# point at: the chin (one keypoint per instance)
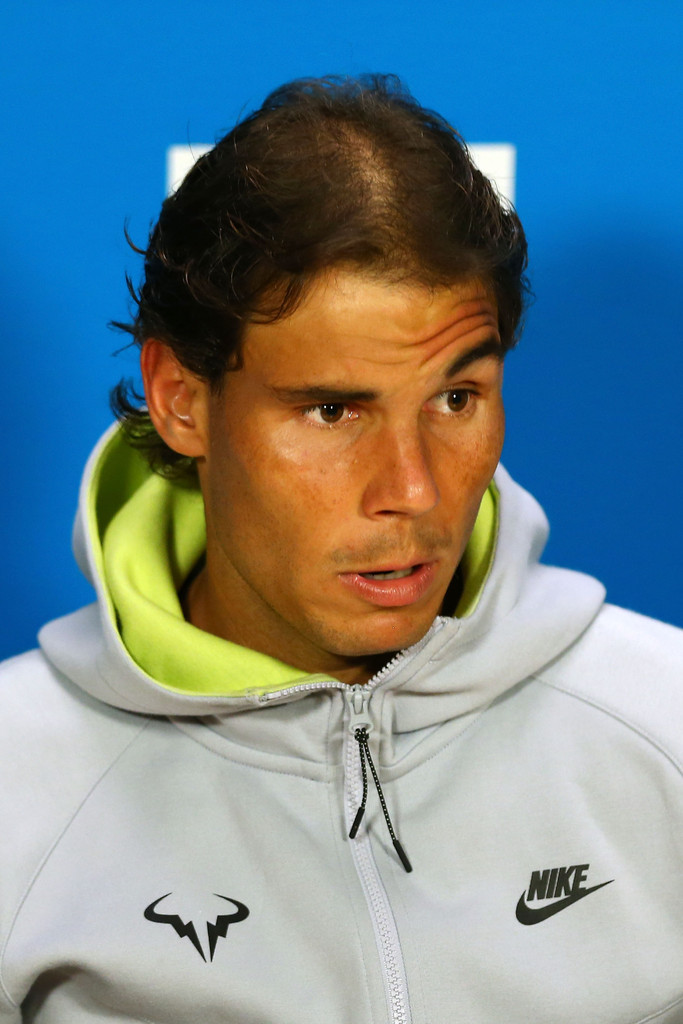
(387, 639)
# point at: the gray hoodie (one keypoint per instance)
(178, 851)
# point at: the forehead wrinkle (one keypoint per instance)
(478, 317)
(448, 355)
(395, 304)
(394, 333)
(469, 317)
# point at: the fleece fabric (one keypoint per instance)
(175, 839)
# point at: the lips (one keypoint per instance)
(391, 587)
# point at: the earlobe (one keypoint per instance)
(176, 399)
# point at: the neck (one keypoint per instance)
(202, 608)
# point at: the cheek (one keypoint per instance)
(478, 448)
(467, 467)
(316, 474)
(495, 439)
(274, 498)
(490, 441)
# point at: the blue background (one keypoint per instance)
(590, 94)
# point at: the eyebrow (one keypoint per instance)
(484, 350)
(321, 394)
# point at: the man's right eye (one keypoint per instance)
(328, 413)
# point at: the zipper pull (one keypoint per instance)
(358, 699)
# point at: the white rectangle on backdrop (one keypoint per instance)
(497, 160)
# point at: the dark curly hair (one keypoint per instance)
(328, 172)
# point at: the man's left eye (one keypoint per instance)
(457, 399)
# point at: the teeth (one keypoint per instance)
(397, 574)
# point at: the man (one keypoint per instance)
(332, 745)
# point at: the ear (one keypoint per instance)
(176, 399)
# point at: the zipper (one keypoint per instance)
(357, 698)
(325, 684)
(384, 925)
(379, 677)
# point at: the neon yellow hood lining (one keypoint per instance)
(148, 542)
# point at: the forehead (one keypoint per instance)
(347, 318)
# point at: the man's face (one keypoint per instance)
(343, 468)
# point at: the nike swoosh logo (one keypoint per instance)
(533, 915)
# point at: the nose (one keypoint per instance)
(400, 477)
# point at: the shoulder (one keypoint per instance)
(55, 740)
(43, 713)
(56, 743)
(630, 667)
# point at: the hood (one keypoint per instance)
(138, 536)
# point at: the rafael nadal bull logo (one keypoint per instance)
(187, 930)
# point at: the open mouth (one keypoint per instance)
(394, 574)
(392, 588)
